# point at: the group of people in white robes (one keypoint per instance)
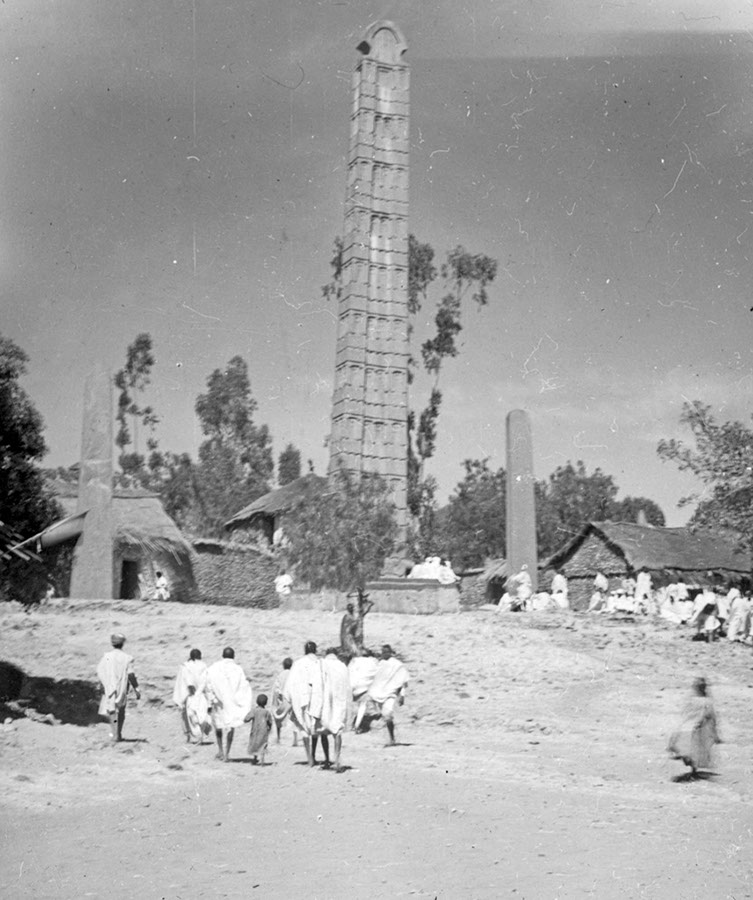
(434, 568)
(520, 596)
(712, 611)
(321, 695)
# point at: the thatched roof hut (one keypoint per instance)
(145, 541)
(265, 512)
(621, 549)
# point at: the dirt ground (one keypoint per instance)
(531, 764)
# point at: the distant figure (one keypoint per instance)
(189, 695)
(116, 675)
(723, 603)
(683, 603)
(521, 587)
(336, 706)
(598, 602)
(704, 616)
(559, 590)
(161, 587)
(446, 574)
(348, 628)
(304, 694)
(280, 708)
(49, 594)
(387, 689)
(738, 626)
(694, 739)
(261, 724)
(644, 600)
(283, 584)
(230, 698)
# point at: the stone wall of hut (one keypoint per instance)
(234, 575)
(473, 590)
(594, 555)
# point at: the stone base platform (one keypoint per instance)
(412, 596)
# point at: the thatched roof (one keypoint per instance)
(139, 519)
(213, 545)
(280, 500)
(656, 549)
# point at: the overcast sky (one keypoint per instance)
(179, 168)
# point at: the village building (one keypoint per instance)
(145, 541)
(620, 550)
(263, 519)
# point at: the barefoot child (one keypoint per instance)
(261, 724)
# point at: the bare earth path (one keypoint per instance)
(531, 765)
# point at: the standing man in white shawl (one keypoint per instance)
(190, 697)
(304, 694)
(115, 673)
(336, 705)
(388, 688)
(230, 697)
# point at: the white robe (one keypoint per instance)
(113, 671)
(361, 672)
(390, 679)
(336, 704)
(193, 674)
(304, 693)
(229, 693)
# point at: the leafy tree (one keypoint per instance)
(722, 460)
(288, 465)
(570, 498)
(235, 461)
(463, 275)
(473, 527)
(131, 380)
(629, 509)
(176, 478)
(26, 506)
(343, 539)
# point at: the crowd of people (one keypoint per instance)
(714, 612)
(321, 695)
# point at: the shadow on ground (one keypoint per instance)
(71, 702)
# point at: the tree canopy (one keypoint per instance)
(26, 506)
(288, 465)
(472, 527)
(473, 522)
(235, 461)
(722, 459)
(342, 540)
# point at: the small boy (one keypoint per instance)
(261, 724)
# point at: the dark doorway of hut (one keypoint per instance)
(129, 580)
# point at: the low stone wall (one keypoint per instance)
(234, 575)
(389, 595)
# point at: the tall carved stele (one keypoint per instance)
(521, 503)
(92, 575)
(370, 402)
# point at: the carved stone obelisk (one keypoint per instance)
(370, 401)
(521, 504)
(92, 575)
